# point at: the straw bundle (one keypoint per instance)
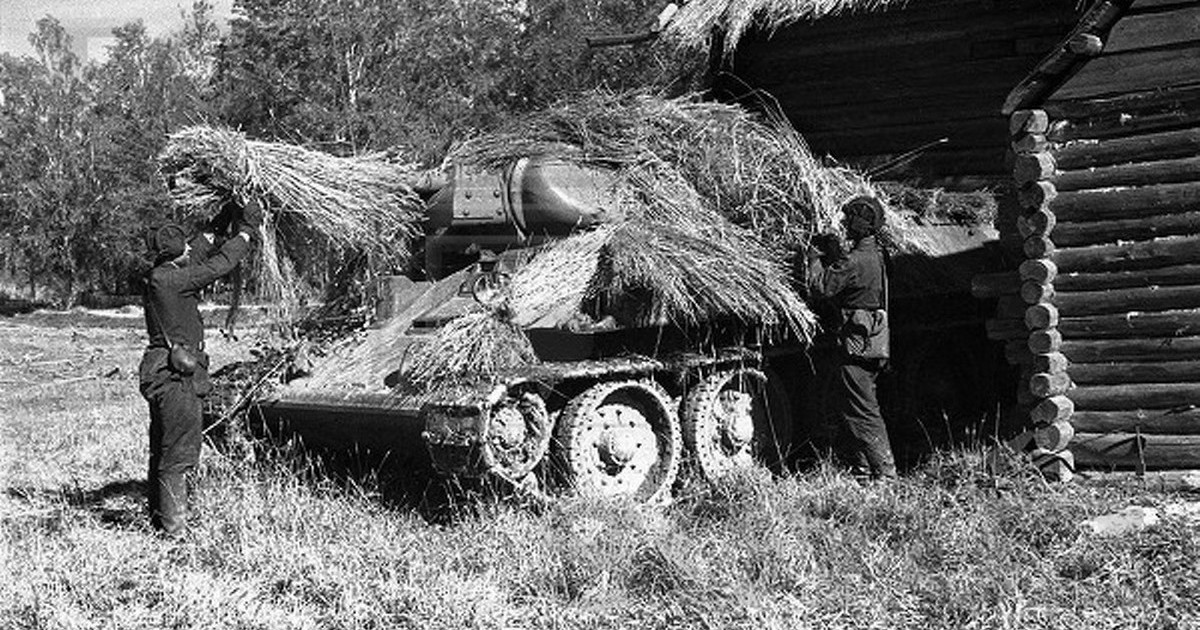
(757, 173)
(471, 349)
(692, 27)
(551, 288)
(361, 203)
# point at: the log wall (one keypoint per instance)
(866, 86)
(1110, 229)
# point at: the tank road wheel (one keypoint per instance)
(620, 439)
(518, 436)
(735, 419)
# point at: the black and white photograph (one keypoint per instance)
(600, 314)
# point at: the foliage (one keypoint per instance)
(361, 74)
(78, 183)
(77, 180)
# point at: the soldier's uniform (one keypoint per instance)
(856, 285)
(172, 310)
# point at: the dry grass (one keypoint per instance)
(712, 200)
(280, 547)
(757, 173)
(473, 348)
(361, 203)
(697, 20)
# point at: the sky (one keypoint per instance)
(90, 22)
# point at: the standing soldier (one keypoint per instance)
(173, 374)
(855, 284)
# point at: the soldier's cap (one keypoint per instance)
(864, 215)
(166, 242)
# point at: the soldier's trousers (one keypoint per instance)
(175, 437)
(863, 434)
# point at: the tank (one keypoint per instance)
(609, 411)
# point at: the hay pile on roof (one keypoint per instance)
(361, 203)
(696, 21)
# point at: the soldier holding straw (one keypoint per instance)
(173, 374)
(855, 282)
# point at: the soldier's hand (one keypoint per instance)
(252, 217)
(220, 223)
(828, 247)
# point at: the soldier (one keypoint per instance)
(855, 284)
(173, 374)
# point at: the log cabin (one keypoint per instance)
(1095, 157)
(866, 81)
(1105, 146)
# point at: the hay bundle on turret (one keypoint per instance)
(359, 203)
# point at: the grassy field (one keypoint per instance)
(279, 546)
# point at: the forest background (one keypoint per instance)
(78, 179)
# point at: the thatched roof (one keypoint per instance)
(696, 21)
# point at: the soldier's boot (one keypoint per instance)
(171, 512)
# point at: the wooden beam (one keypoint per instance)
(1126, 203)
(1085, 45)
(1045, 341)
(1156, 422)
(1037, 222)
(1034, 167)
(1036, 293)
(1161, 276)
(1051, 410)
(1163, 145)
(1136, 396)
(1154, 30)
(1123, 124)
(1036, 195)
(1137, 174)
(1128, 450)
(1139, 349)
(1054, 437)
(1041, 316)
(1163, 98)
(1075, 234)
(1028, 121)
(1121, 301)
(1132, 71)
(1167, 324)
(1052, 363)
(1039, 270)
(1122, 373)
(1046, 384)
(1060, 63)
(1160, 252)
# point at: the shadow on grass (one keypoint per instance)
(117, 504)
